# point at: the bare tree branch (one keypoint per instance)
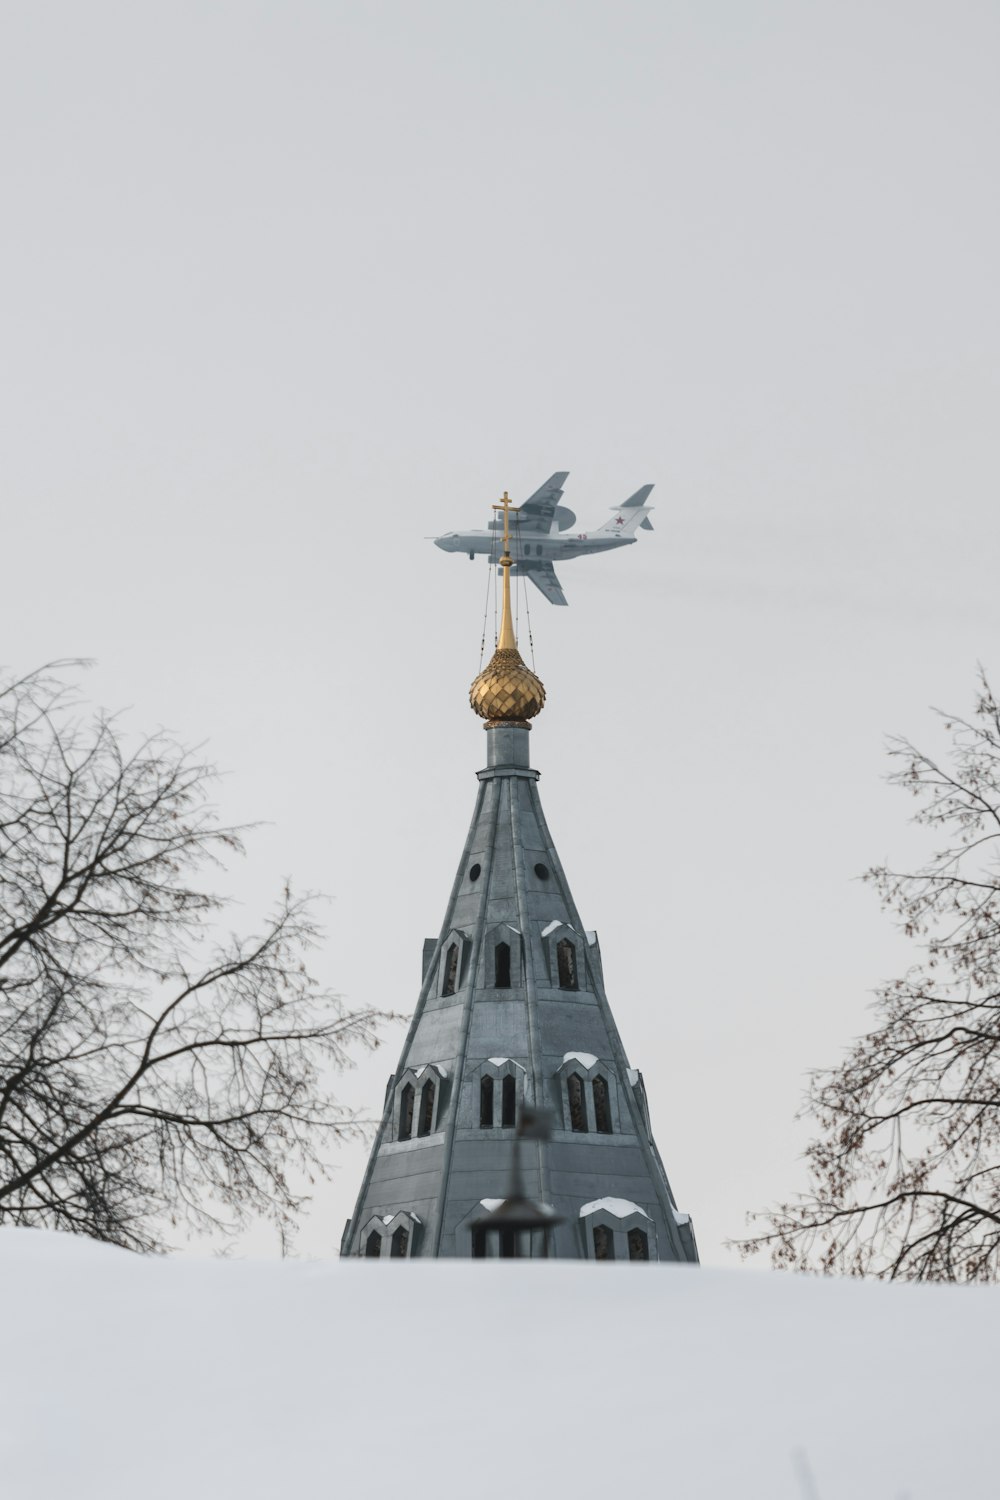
(144, 1082)
(904, 1176)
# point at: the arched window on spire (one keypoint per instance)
(406, 1098)
(589, 1095)
(577, 1102)
(604, 1242)
(426, 1119)
(602, 1105)
(638, 1244)
(617, 1229)
(390, 1235)
(421, 1094)
(502, 960)
(566, 962)
(500, 1082)
(450, 970)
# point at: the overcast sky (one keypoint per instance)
(288, 288)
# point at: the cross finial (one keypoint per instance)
(506, 507)
(507, 640)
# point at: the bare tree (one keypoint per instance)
(146, 1079)
(905, 1173)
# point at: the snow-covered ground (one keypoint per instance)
(160, 1379)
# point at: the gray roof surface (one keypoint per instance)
(451, 1161)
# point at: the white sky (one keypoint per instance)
(286, 288)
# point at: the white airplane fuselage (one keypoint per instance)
(549, 546)
(543, 534)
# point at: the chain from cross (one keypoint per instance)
(506, 507)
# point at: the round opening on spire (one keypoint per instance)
(475, 871)
(542, 872)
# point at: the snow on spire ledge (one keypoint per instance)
(621, 1208)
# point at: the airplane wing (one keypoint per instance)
(537, 511)
(543, 576)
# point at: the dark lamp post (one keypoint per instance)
(518, 1218)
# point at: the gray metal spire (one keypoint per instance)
(513, 1015)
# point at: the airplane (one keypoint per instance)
(540, 534)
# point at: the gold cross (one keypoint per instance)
(506, 507)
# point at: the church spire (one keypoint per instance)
(513, 1046)
(507, 692)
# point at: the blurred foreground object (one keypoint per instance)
(518, 1228)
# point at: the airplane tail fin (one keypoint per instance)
(631, 516)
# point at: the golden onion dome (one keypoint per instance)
(506, 692)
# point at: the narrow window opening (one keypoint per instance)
(501, 966)
(426, 1109)
(602, 1105)
(638, 1245)
(577, 1102)
(604, 1243)
(373, 1245)
(406, 1112)
(566, 960)
(479, 1244)
(450, 970)
(400, 1241)
(508, 1103)
(486, 1103)
(508, 1244)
